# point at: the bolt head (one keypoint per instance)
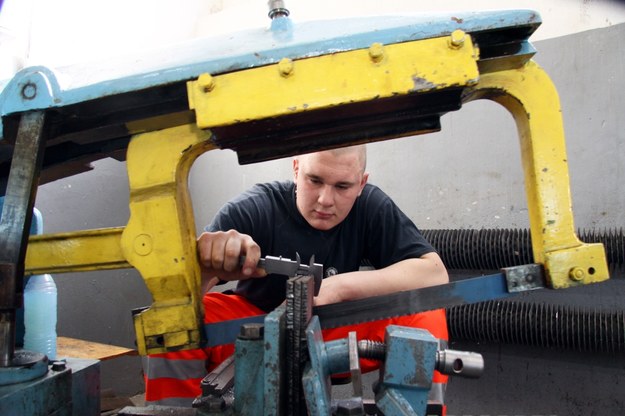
(252, 331)
(376, 52)
(456, 39)
(206, 82)
(285, 67)
(577, 274)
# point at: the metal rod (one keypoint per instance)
(15, 224)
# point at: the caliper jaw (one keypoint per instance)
(292, 268)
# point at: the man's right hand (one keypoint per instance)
(220, 252)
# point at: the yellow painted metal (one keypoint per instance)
(75, 251)
(159, 240)
(529, 94)
(290, 87)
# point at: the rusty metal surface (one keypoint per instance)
(15, 224)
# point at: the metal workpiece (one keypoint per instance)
(299, 302)
(460, 363)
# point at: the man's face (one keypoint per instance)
(327, 186)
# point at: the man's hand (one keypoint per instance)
(219, 254)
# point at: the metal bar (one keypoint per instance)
(402, 303)
(15, 224)
(76, 251)
(478, 289)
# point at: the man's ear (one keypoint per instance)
(295, 168)
(363, 182)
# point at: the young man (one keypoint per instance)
(329, 211)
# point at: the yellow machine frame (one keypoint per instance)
(159, 239)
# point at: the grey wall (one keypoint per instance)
(467, 176)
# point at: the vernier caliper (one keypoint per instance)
(291, 268)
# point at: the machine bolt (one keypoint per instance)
(58, 365)
(29, 91)
(376, 52)
(206, 82)
(277, 9)
(285, 67)
(456, 40)
(350, 407)
(252, 331)
(577, 274)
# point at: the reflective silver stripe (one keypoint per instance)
(172, 401)
(157, 367)
(437, 393)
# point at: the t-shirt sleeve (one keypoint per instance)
(391, 235)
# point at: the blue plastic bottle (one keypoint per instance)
(40, 300)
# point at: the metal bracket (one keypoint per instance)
(524, 278)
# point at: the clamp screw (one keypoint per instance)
(577, 274)
(376, 52)
(456, 40)
(206, 82)
(285, 67)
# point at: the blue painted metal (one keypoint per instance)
(25, 366)
(47, 395)
(316, 375)
(70, 388)
(225, 332)
(406, 377)
(85, 386)
(248, 376)
(41, 88)
(274, 384)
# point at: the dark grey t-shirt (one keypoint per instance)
(375, 230)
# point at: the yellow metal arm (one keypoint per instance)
(74, 252)
(159, 240)
(531, 97)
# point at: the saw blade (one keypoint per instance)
(398, 304)
(478, 289)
